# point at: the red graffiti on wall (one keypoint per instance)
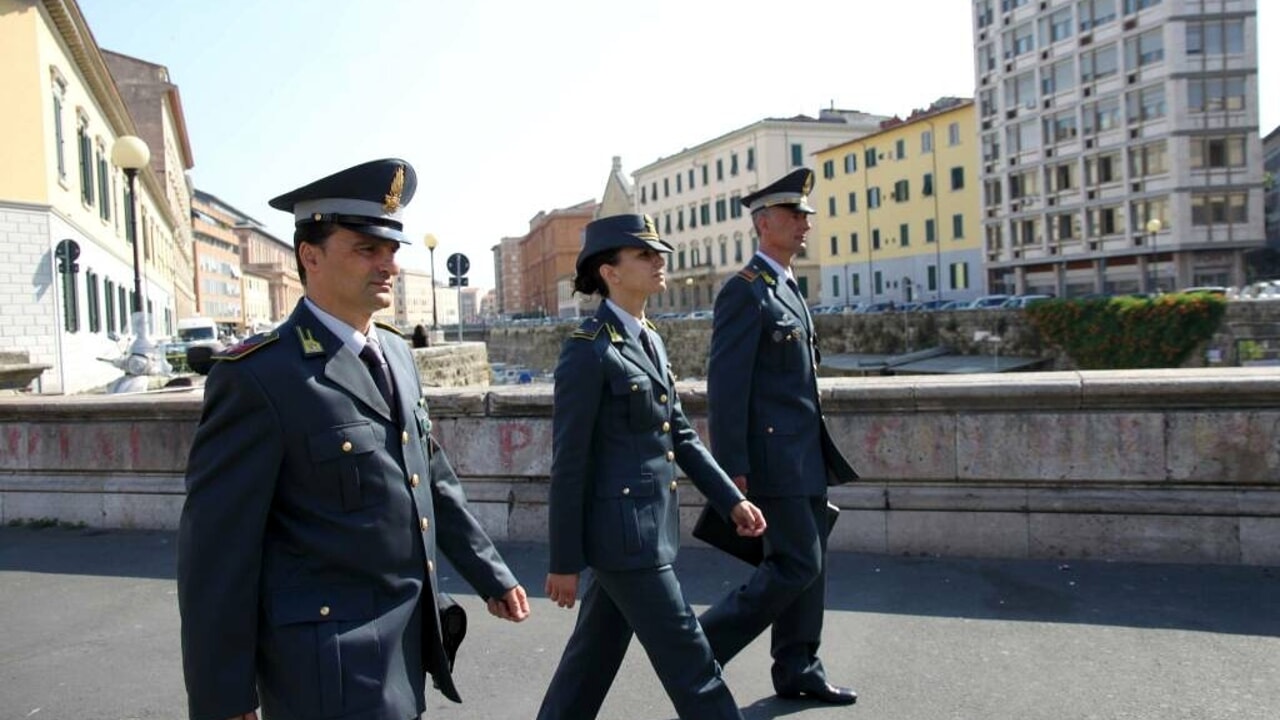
(512, 437)
(13, 436)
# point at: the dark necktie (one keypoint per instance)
(371, 354)
(795, 289)
(647, 343)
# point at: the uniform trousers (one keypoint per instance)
(649, 604)
(787, 590)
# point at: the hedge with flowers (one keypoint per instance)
(1129, 332)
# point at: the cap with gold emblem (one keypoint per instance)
(368, 198)
(791, 189)
(619, 231)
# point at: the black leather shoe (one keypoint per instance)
(826, 693)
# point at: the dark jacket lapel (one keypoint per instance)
(343, 368)
(631, 349)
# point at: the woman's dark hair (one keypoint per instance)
(313, 233)
(588, 280)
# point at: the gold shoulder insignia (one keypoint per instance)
(246, 346)
(614, 335)
(386, 326)
(748, 274)
(588, 330)
(310, 345)
(649, 324)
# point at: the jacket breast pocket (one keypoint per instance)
(326, 645)
(634, 395)
(782, 348)
(343, 457)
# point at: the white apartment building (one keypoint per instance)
(695, 197)
(1120, 145)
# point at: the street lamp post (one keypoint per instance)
(431, 242)
(1154, 226)
(131, 154)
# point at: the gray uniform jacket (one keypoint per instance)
(762, 390)
(307, 545)
(619, 432)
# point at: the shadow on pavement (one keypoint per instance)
(1209, 598)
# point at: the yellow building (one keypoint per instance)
(898, 214)
(65, 213)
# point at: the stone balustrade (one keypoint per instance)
(1163, 465)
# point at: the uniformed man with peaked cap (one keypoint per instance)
(316, 497)
(768, 433)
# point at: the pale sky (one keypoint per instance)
(509, 107)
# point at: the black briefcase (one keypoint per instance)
(723, 535)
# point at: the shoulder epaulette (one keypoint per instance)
(748, 274)
(246, 346)
(386, 326)
(588, 329)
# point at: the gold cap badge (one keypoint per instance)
(391, 202)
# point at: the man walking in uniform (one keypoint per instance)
(768, 434)
(316, 497)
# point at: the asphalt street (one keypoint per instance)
(89, 631)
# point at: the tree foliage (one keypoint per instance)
(1129, 332)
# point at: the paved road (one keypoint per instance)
(89, 631)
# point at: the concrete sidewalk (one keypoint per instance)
(89, 631)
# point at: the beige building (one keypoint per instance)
(412, 305)
(508, 286)
(267, 256)
(66, 240)
(257, 304)
(619, 196)
(1119, 143)
(897, 211)
(695, 197)
(156, 107)
(218, 277)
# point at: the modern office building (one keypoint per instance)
(1269, 265)
(695, 197)
(1119, 143)
(898, 216)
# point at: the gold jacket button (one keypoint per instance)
(666, 427)
(671, 455)
(413, 480)
(634, 387)
(425, 524)
(324, 611)
(346, 446)
(662, 398)
(404, 437)
(673, 486)
(626, 491)
(769, 430)
(431, 566)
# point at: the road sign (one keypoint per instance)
(458, 264)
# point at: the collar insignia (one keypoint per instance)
(310, 345)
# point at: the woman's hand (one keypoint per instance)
(749, 519)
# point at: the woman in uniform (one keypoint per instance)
(618, 434)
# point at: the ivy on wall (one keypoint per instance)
(1129, 332)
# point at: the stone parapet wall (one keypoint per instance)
(458, 365)
(1172, 465)
(688, 341)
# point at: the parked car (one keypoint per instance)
(988, 302)
(1019, 302)
(956, 305)
(878, 307)
(1218, 290)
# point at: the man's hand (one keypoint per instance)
(749, 519)
(741, 482)
(562, 589)
(513, 605)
